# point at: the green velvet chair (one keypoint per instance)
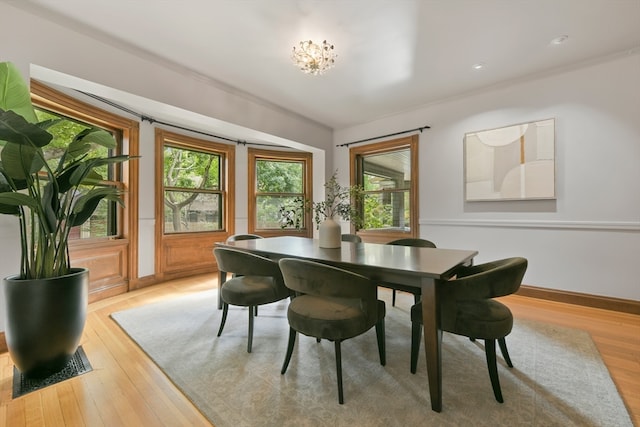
(235, 238)
(423, 243)
(257, 280)
(353, 238)
(333, 304)
(467, 308)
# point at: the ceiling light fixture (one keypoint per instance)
(478, 66)
(313, 58)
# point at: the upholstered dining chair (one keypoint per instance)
(423, 243)
(257, 281)
(353, 238)
(247, 236)
(333, 304)
(467, 308)
(235, 238)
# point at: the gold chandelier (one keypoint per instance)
(313, 58)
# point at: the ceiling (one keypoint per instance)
(393, 55)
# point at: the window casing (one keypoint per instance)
(388, 173)
(193, 185)
(274, 178)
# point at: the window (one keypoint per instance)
(104, 221)
(389, 175)
(73, 118)
(193, 184)
(108, 242)
(277, 178)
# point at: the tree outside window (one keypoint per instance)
(388, 173)
(276, 178)
(192, 190)
(104, 221)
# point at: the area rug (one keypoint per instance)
(558, 377)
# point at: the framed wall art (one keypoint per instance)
(515, 162)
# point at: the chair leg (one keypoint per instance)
(382, 350)
(393, 298)
(505, 354)
(490, 351)
(416, 332)
(287, 358)
(250, 340)
(225, 310)
(339, 371)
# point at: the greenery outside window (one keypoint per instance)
(193, 196)
(389, 175)
(104, 221)
(277, 178)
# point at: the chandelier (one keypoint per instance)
(313, 58)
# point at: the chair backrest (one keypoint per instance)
(423, 243)
(243, 263)
(313, 278)
(236, 237)
(351, 238)
(489, 280)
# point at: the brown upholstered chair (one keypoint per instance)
(423, 243)
(353, 238)
(331, 303)
(257, 280)
(467, 308)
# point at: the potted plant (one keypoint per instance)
(46, 301)
(339, 201)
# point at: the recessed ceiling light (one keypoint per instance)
(478, 66)
(560, 39)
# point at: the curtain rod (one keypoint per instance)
(346, 144)
(151, 120)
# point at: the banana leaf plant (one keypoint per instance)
(49, 200)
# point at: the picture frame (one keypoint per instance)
(515, 162)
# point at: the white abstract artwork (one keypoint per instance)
(515, 162)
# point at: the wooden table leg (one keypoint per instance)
(432, 340)
(222, 277)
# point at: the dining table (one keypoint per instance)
(423, 268)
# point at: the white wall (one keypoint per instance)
(588, 239)
(59, 55)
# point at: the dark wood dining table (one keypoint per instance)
(421, 268)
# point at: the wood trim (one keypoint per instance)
(172, 250)
(254, 154)
(576, 298)
(410, 142)
(3, 343)
(61, 103)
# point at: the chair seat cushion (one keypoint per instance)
(252, 290)
(330, 318)
(483, 319)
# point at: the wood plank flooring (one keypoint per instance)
(126, 388)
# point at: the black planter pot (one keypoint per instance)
(45, 320)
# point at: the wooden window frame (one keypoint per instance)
(113, 260)
(185, 254)
(254, 155)
(411, 143)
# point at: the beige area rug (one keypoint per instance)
(558, 378)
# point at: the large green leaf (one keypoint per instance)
(14, 128)
(87, 204)
(50, 206)
(14, 92)
(18, 199)
(15, 158)
(82, 142)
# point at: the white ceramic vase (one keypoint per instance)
(330, 234)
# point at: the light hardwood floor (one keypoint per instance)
(126, 388)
